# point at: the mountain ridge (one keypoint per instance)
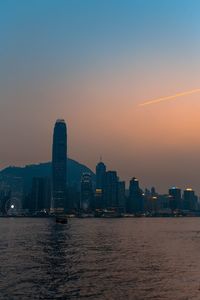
(43, 169)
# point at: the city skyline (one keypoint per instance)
(99, 149)
(92, 64)
(59, 168)
(47, 191)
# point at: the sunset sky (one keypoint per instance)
(93, 62)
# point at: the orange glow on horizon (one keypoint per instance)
(169, 97)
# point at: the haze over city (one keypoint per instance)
(93, 63)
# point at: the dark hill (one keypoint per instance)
(75, 171)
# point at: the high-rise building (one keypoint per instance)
(59, 167)
(73, 198)
(100, 185)
(121, 195)
(5, 196)
(175, 198)
(135, 203)
(189, 199)
(111, 190)
(40, 194)
(100, 175)
(87, 196)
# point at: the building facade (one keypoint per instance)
(111, 190)
(100, 185)
(136, 201)
(59, 167)
(87, 195)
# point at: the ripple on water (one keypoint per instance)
(100, 259)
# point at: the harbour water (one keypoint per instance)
(144, 258)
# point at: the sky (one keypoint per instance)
(93, 62)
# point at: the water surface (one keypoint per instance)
(100, 259)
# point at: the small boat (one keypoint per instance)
(62, 219)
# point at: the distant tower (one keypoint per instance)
(175, 200)
(111, 190)
(190, 199)
(86, 192)
(135, 196)
(59, 167)
(100, 184)
(121, 196)
(40, 194)
(100, 175)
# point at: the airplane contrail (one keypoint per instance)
(169, 97)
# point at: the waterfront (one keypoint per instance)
(144, 258)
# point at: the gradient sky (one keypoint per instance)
(92, 62)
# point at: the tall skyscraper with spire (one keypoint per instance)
(100, 185)
(100, 175)
(59, 167)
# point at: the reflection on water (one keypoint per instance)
(100, 259)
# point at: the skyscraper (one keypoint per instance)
(121, 196)
(135, 197)
(86, 203)
(190, 199)
(100, 185)
(40, 194)
(175, 200)
(59, 167)
(100, 175)
(111, 190)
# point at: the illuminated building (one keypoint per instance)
(175, 200)
(189, 199)
(99, 203)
